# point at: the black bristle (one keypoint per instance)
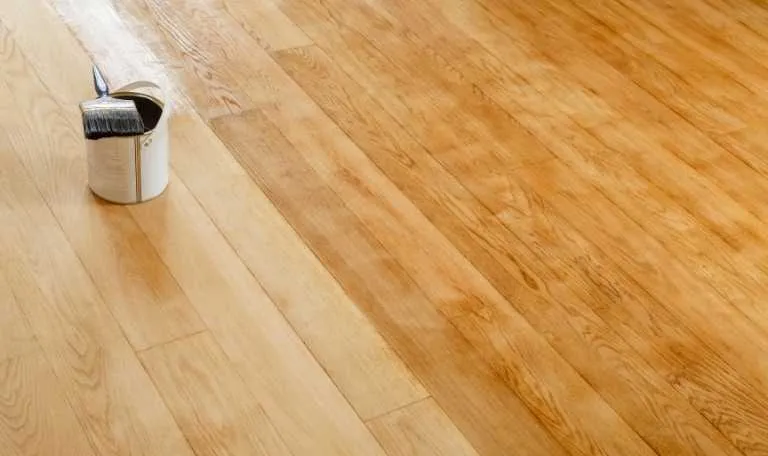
(106, 123)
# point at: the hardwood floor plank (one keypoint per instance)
(297, 390)
(202, 61)
(706, 155)
(713, 217)
(16, 337)
(489, 244)
(118, 44)
(721, 164)
(35, 418)
(470, 38)
(671, 131)
(665, 59)
(421, 428)
(748, 13)
(131, 43)
(460, 226)
(738, 362)
(741, 66)
(445, 110)
(444, 361)
(267, 24)
(580, 142)
(339, 335)
(703, 102)
(212, 405)
(748, 144)
(721, 21)
(595, 219)
(503, 338)
(296, 393)
(294, 390)
(25, 18)
(104, 383)
(146, 300)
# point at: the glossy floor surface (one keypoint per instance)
(394, 227)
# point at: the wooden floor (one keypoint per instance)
(394, 227)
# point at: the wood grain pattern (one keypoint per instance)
(267, 24)
(544, 180)
(148, 303)
(378, 282)
(491, 245)
(393, 227)
(102, 379)
(120, 46)
(452, 288)
(35, 418)
(421, 428)
(210, 402)
(366, 370)
(16, 337)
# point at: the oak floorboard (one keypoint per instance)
(16, 337)
(114, 41)
(366, 370)
(436, 227)
(504, 338)
(488, 243)
(383, 289)
(146, 300)
(421, 428)
(278, 312)
(103, 381)
(739, 228)
(706, 155)
(596, 220)
(267, 24)
(35, 418)
(209, 400)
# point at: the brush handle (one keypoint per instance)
(99, 83)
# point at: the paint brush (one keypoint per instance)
(107, 117)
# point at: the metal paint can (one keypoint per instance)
(133, 169)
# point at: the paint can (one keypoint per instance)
(133, 169)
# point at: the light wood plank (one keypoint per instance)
(267, 24)
(356, 357)
(212, 405)
(448, 370)
(103, 380)
(749, 144)
(421, 428)
(662, 219)
(369, 373)
(16, 337)
(295, 391)
(554, 213)
(726, 21)
(119, 46)
(73, 81)
(146, 300)
(35, 418)
(491, 175)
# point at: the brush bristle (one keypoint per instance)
(106, 122)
